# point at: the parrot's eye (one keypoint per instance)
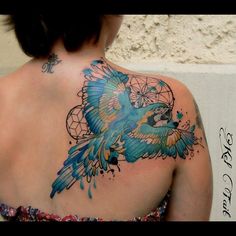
(157, 111)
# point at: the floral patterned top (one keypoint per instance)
(32, 214)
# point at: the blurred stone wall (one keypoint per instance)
(207, 39)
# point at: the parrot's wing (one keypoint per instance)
(104, 95)
(148, 142)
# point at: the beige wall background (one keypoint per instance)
(176, 38)
(208, 39)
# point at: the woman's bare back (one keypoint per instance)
(98, 108)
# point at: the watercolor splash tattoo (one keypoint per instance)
(121, 117)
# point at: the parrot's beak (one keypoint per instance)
(166, 114)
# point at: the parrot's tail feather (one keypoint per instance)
(82, 162)
(64, 180)
(70, 185)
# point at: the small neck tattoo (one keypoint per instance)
(52, 61)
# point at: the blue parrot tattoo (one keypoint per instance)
(122, 119)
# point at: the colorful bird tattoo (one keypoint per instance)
(124, 120)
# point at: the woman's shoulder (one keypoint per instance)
(10, 83)
(173, 83)
(168, 90)
(158, 88)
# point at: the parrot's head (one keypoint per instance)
(159, 114)
(163, 112)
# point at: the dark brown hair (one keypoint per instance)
(37, 33)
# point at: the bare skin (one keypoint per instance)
(34, 143)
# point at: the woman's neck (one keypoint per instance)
(87, 52)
